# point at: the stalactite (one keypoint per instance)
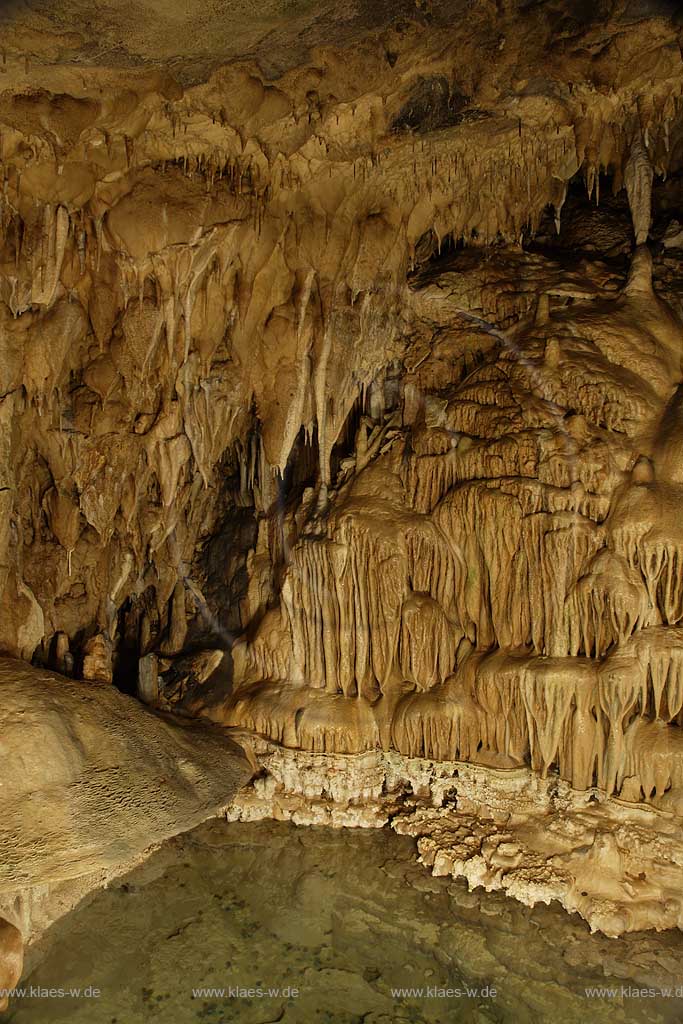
(638, 180)
(483, 564)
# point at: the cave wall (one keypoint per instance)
(500, 582)
(350, 330)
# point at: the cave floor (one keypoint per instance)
(342, 916)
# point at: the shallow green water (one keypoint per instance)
(344, 917)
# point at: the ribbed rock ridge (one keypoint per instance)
(499, 583)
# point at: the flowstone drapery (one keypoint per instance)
(341, 397)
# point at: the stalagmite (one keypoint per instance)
(97, 660)
(177, 621)
(63, 658)
(148, 679)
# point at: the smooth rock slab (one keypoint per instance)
(92, 781)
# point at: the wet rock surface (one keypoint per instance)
(343, 916)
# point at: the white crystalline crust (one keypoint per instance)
(618, 865)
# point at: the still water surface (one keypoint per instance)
(335, 920)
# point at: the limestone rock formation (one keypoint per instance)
(11, 959)
(341, 385)
(92, 782)
(538, 840)
(499, 582)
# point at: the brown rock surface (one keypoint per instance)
(346, 340)
(202, 282)
(11, 959)
(92, 782)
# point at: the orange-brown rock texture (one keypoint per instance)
(341, 382)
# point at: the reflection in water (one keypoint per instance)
(343, 917)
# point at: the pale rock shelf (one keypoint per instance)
(617, 864)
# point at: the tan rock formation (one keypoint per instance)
(337, 394)
(538, 841)
(97, 659)
(92, 782)
(544, 535)
(11, 959)
(207, 279)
